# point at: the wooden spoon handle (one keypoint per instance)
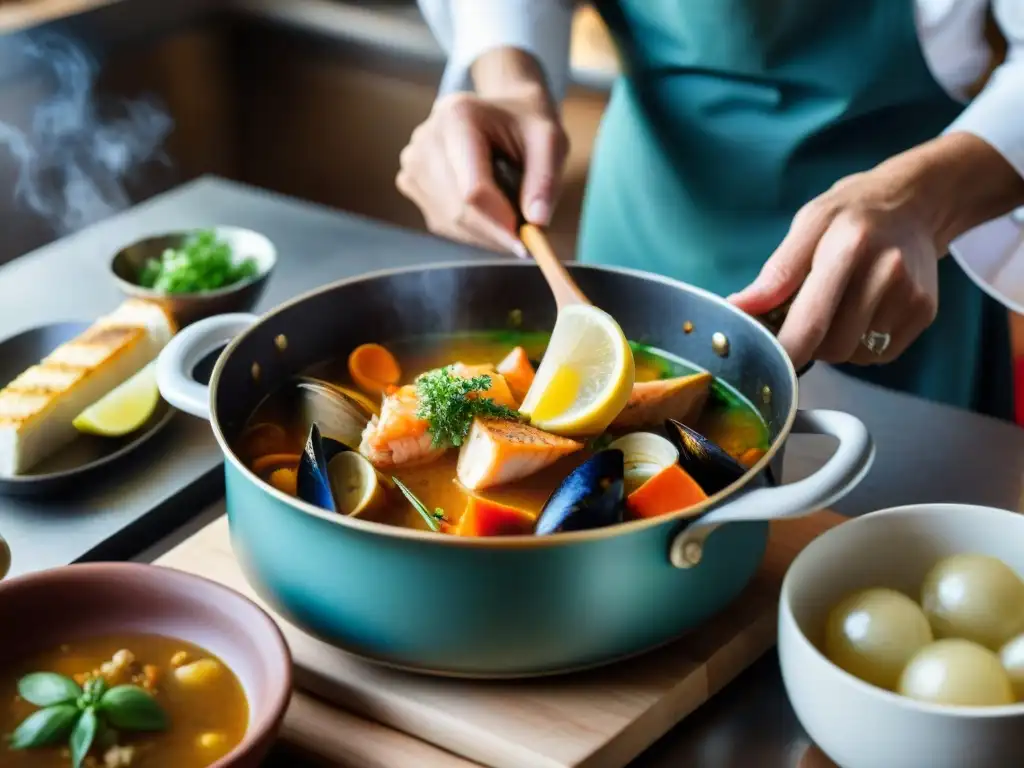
(510, 180)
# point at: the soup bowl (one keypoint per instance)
(506, 606)
(64, 605)
(856, 724)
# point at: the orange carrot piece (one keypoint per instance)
(285, 480)
(670, 490)
(274, 461)
(373, 368)
(484, 517)
(518, 372)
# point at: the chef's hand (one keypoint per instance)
(446, 168)
(863, 257)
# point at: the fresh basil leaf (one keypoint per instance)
(132, 709)
(45, 726)
(82, 736)
(47, 688)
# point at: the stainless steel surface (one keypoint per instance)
(926, 452)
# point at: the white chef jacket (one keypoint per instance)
(952, 36)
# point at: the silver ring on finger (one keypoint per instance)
(876, 342)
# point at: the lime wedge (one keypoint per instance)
(123, 409)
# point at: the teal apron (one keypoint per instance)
(732, 114)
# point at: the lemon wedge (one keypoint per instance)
(585, 377)
(123, 409)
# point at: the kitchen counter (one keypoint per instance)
(926, 452)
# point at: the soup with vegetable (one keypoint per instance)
(503, 433)
(144, 701)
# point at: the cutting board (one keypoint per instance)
(598, 719)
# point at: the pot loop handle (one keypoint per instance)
(840, 474)
(5, 557)
(186, 350)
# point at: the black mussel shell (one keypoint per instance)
(312, 483)
(592, 496)
(711, 467)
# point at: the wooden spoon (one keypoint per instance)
(509, 177)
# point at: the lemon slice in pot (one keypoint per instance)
(123, 409)
(585, 377)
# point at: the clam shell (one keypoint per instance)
(340, 414)
(644, 455)
(356, 486)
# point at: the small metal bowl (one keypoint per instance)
(186, 308)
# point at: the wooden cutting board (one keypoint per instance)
(598, 719)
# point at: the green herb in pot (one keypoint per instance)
(203, 263)
(81, 713)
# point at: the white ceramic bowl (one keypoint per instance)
(857, 724)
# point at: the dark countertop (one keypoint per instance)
(926, 452)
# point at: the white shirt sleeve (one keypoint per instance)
(997, 116)
(467, 29)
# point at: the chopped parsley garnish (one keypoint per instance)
(447, 405)
(204, 262)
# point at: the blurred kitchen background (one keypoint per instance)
(104, 103)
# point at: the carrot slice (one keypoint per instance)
(484, 517)
(518, 372)
(373, 368)
(275, 460)
(285, 480)
(670, 490)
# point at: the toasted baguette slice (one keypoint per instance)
(37, 408)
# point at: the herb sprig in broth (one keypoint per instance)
(449, 403)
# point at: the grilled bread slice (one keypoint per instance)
(37, 408)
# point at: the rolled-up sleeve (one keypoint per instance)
(467, 29)
(996, 115)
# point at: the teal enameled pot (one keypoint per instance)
(502, 606)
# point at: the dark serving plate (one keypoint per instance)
(87, 453)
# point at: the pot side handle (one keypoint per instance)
(840, 474)
(5, 557)
(186, 350)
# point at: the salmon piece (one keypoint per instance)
(499, 451)
(398, 437)
(518, 372)
(651, 402)
(498, 391)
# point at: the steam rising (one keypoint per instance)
(72, 163)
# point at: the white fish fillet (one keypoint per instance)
(37, 408)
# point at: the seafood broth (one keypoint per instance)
(275, 434)
(206, 711)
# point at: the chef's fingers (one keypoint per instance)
(864, 294)
(545, 147)
(478, 203)
(904, 313)
(785, 269)
(812, 311)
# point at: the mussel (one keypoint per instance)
(339, 413)
(644, 455)
(334, 477)
(705, 462)
(592, 496)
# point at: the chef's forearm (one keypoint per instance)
(507, 73)
(960, 181)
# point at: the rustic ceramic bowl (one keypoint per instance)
(186, 308)
(105, 598)
(857, 724)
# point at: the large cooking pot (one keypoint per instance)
(504, 606)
